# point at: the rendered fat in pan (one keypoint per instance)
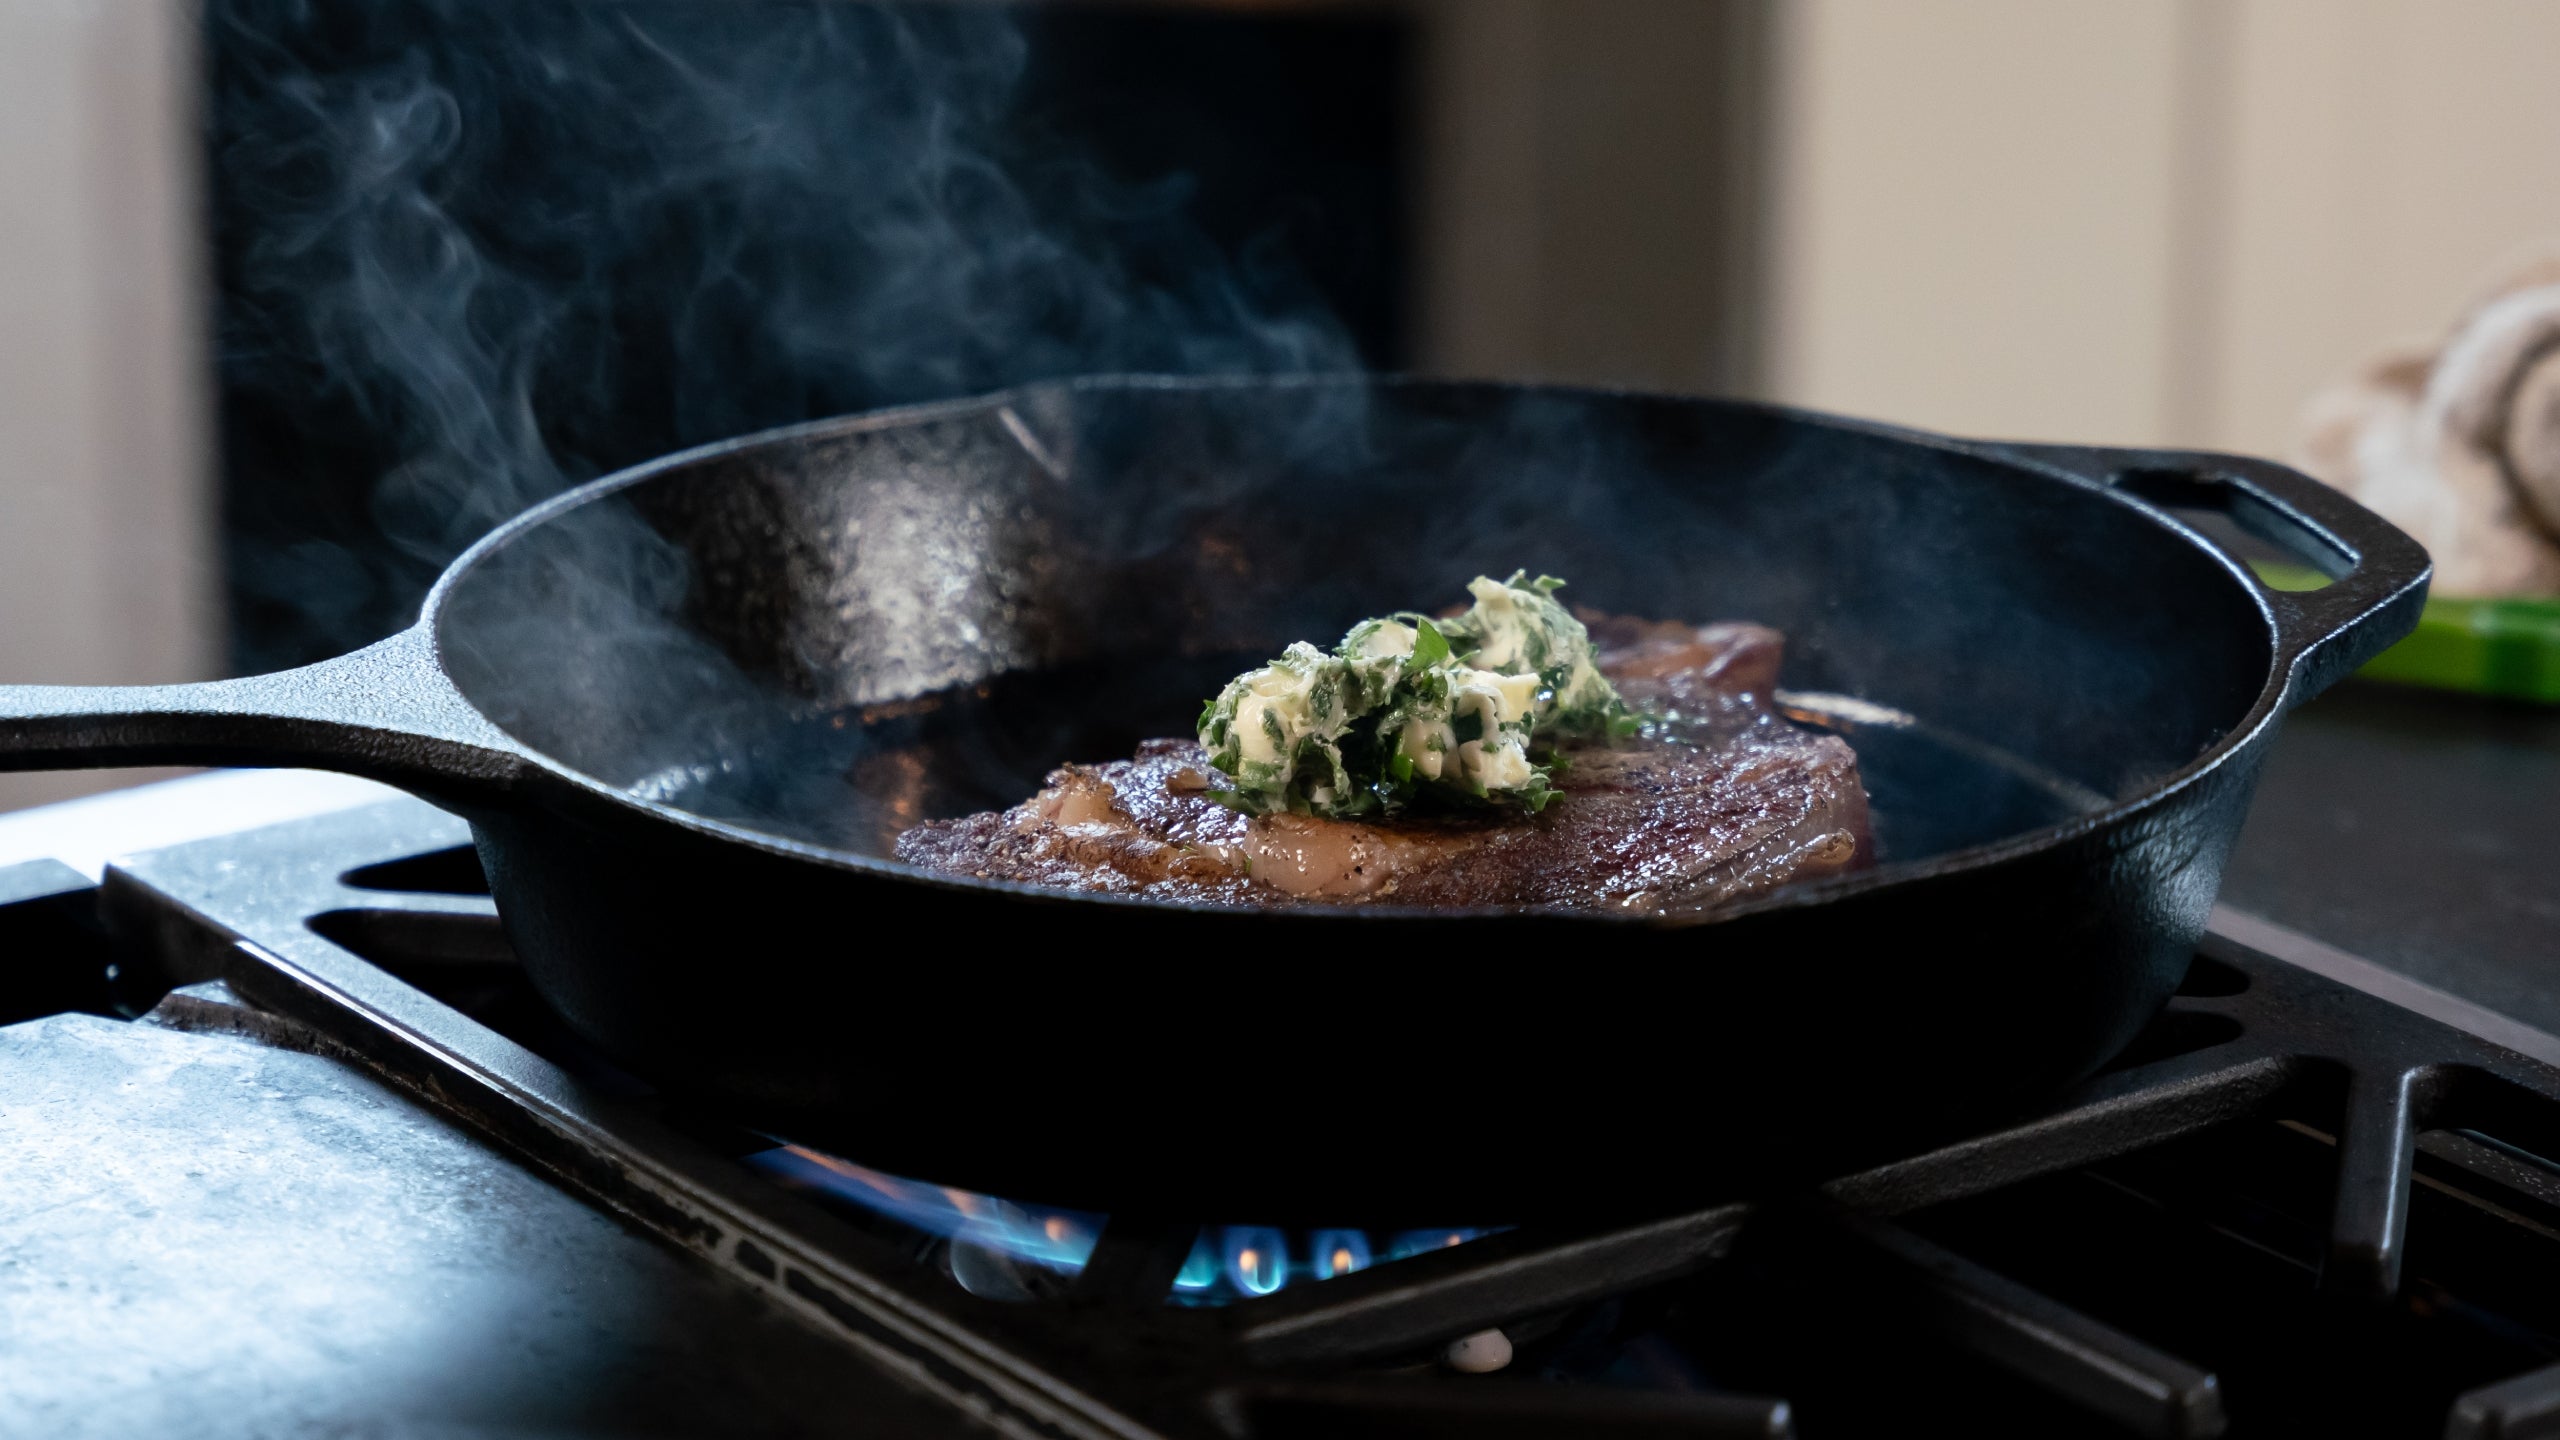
(687, 707)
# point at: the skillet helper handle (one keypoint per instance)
(385, 712)
(2378, 575)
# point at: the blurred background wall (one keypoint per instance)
(106, 543)
(2146, 221)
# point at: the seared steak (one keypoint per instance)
(1718, 797)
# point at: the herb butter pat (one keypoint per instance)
(1408, 709)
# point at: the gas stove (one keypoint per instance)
(297, 1151)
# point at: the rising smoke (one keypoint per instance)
(499, 248)
(503, 246)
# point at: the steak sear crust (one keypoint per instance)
(1719, 797)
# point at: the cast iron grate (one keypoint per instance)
(2235, 1199)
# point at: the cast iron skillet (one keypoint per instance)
(686, 709)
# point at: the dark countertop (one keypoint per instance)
(2420, 830)
(205, 1235)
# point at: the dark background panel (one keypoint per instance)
(469, 252)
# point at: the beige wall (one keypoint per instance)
(1971, 214)
(2389, 157)
(105, 563)
(2148, 220)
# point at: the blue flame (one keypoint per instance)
(1405, 1244)
(1200, 1270)
(1227, 1263)
(1257, 1259)
(1060, 1239)
(1337, 1252)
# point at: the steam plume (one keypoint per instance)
(507, 247)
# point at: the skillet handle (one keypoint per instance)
(385, 712)
(2378, 574)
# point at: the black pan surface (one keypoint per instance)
(688, 708)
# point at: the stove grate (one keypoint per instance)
(2294, 1106)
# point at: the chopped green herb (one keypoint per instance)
(1430, 647)
(1408, 710)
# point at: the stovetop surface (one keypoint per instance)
(209, 1229)
(368, 1187)
(212, 1236)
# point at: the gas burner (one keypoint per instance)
(2311, 1196)
(1002, 1250)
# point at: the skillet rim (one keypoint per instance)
(2263, 712)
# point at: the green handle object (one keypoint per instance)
(2509, 648)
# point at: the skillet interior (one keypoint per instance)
(833, 634)
(1094, 556)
